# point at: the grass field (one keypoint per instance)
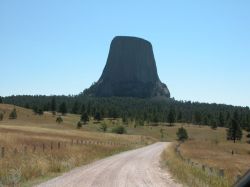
(26, 165)
(210, 148)
(205, 146)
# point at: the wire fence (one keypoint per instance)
(55, 146)
(220, 172)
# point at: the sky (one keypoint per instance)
(201, 48)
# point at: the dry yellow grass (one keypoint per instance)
(22, 165)
(189, 175)
(215, 151)
(210, 147)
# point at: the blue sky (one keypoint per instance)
(202, 48)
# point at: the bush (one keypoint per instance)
(182, 134)
(119, 130)
(79, 124)
(103, 127)
(59, 119)
(13, 114)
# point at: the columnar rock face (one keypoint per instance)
(130, 71)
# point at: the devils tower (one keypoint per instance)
(130, 71)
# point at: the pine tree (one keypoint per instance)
(171, 116)
(63, 108)
(83, 109)
(97, 116)
(197, 117)
(1, 100)
(214, 125)
(182, 134)
(221, 120)
(179, 118)
(234, 132)
(53, 105)
(84, 117)
(75, 108)
(13, 114)
(59, 119)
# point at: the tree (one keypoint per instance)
(63, 108)
(59, 119)
(179, 117)
(75, 108)
(171, 116)
(221, 120)
(98, 116)
(35, 109)
(40, 111)
(124, 119)
(53, 105)
(214, 125)
(84, 117)
(13, 114)
(197, 117)
(234, 132)
(103, 127)
(83, 109)
(1, 100)
(27, 105)
(182, 134)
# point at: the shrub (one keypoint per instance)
(13, 114)
(59, 119)
(79, 124)
(119, 130)
(103, 127)
(182, 134)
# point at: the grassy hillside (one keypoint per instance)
(205, 146)
(36, 147)
(209, 148)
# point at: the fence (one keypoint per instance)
(209, 170)
(42, 147)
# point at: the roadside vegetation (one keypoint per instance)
(222, 143)
(211, 149)
(189, 175)
(37, 147)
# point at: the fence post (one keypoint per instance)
(34, 148)
(203, 167)
(51, 145)
(25, 149)
(15, 151)
(58, 145)
(221, 173)
(2, 152)
(72, 142)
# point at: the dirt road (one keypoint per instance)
(138, 167)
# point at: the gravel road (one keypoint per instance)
(139, 167)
